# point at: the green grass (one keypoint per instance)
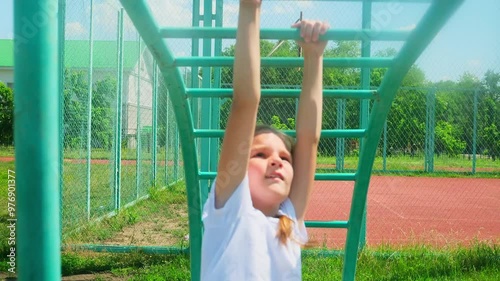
(480, 261)
(405, 163)
(163, 206)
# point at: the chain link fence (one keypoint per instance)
(443, 130)
(120, 134)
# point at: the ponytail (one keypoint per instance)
(284, 229)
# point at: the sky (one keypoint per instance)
(469, 42)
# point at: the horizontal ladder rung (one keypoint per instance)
(356, 62)
(285, 34)
(324, 177)
(347, 133)
(283, 93)
(327, 224)
(335, 177)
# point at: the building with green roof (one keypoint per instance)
(105, 64)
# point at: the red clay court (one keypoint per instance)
(408, 210)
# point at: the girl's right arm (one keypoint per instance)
(235, 153)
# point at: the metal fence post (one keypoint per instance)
(340, 142)
(474, 132)
(36, 179)
(89, 106)
(429, 130)
(155, 121)
(365, 84)
(61, 43)
(118, 131)
(138, 143)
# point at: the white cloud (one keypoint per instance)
(171, 13)
(75, 30)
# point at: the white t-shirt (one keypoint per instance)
(240, 242)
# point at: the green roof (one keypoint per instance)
(77, 53)
(6, 53)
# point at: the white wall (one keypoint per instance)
(7, 75)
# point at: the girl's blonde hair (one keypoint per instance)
(285, 223)
(284, 229)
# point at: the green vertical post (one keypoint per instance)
(36, 134)
(384, 156)
(474, 132)
(62, 23)
(365, 84)
(167, 139)
(176, 154)
(206, 103)
(155, 120)
(216, 103)
(195, 52)
(138, 145)
(429, 131)
(340, 142)
(89, 105)
(118, 131)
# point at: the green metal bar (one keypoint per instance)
(384, 151)
(61, 42)
(430, 123)
(118, 131)
(285, 62)
(138, 132)
(474, 132)
(168, 139)
(143, 20)
(348, 133)
(36, 180)
(155, 120)
(195, 52)
(435, 17)
(320, 177)
(327, 224)
(176, 155)
(285, 34)
(340, 142)
(206, 103)
(89, 104)
(365, 84)
(284, 93)
(336, 177)
(216, 102)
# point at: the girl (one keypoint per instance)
(254, 216)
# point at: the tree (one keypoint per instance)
(103, 97)
(6, 115)
(406, 120)
(448, 139)
(489, 116)
(76, 108)
(75, 121)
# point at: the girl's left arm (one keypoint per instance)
(309, 117)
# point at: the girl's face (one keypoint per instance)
(270, 171)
